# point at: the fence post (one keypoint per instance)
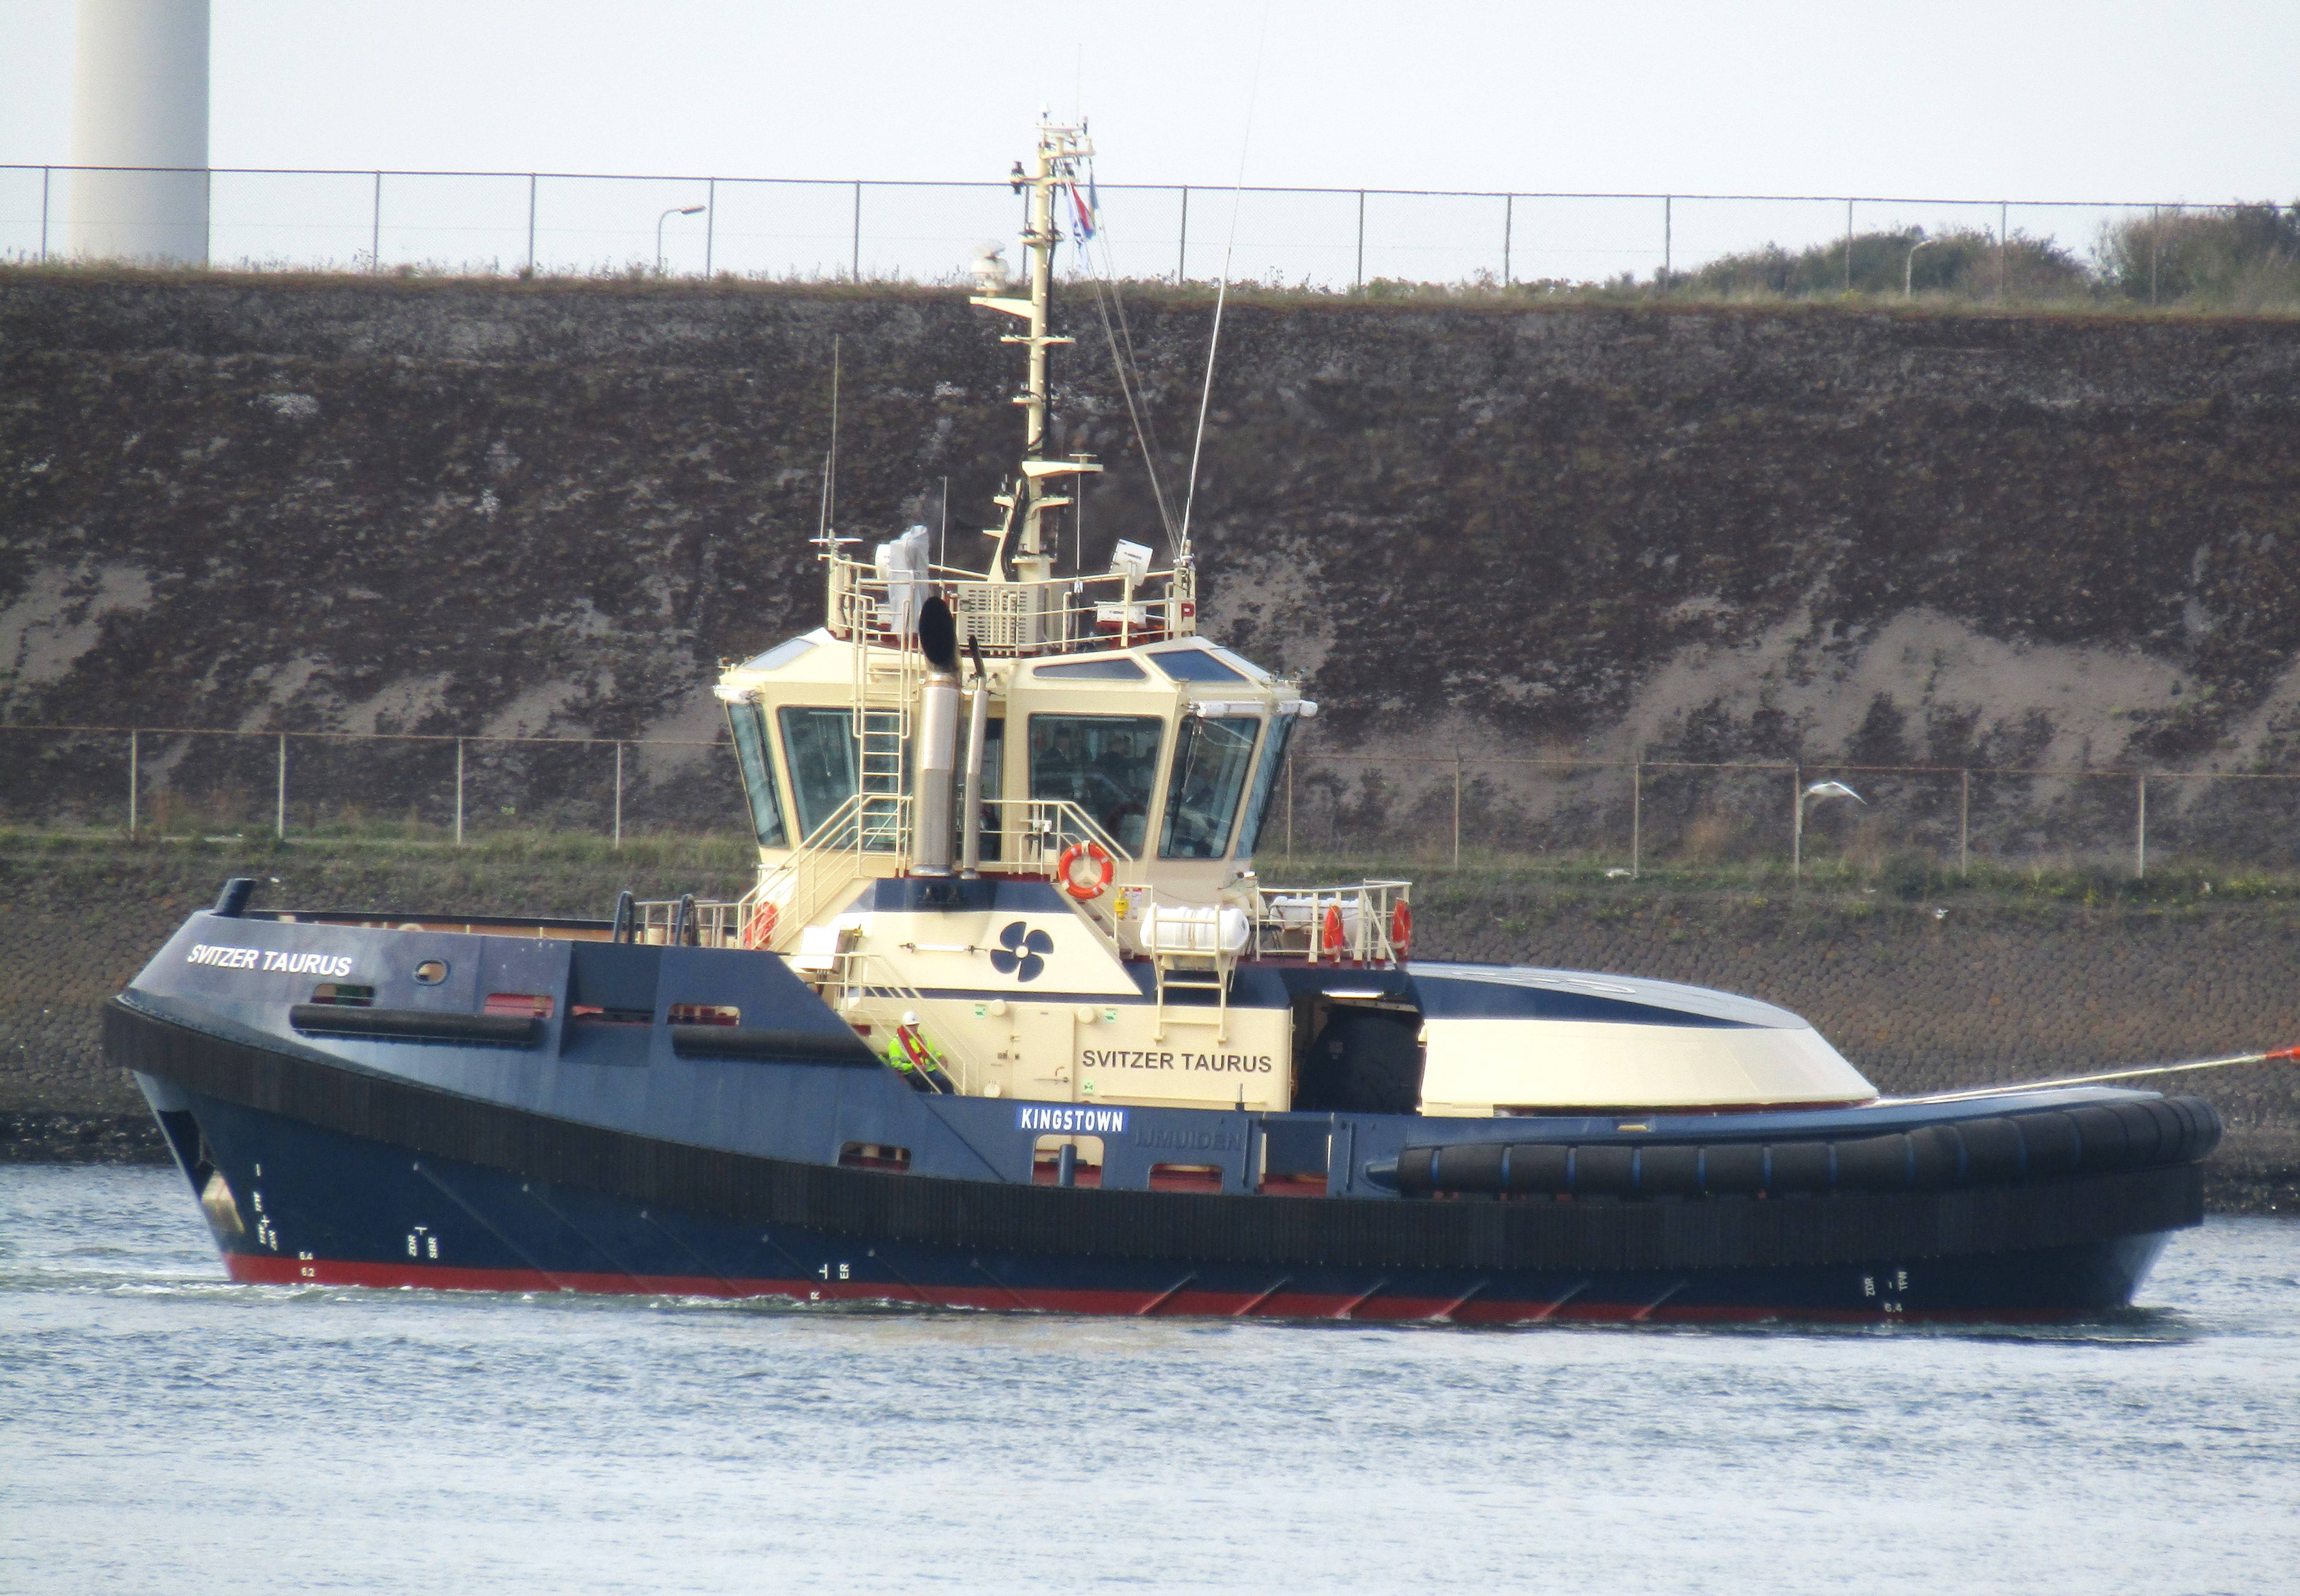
(1668, 236)
(1964, 823)
(43, 214)
(459, 792)
(619, 793)
(1797, 821)
(2140, 839)
(280, 814)
(1848, 260)
(375, 229)
(2004, 253)
(1182, 255)
(530, 224)
(1636, 812)
(710, 223)
(1361, 277)
(854, 270)
(131, 781)
(1509, 226)
(1457, 811)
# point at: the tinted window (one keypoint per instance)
(818, 747)
(1105, 763)
(748, 723)
(1265, 781)
(1210, 759)
(782, 653)
(1194, 664)
(1117, 668)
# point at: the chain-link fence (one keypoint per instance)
(585, 224)
(1630, 814)
(176, 782)
(1635, 815)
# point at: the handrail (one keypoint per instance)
(1013, 620)
(1054, 823)
(1291, 922)
(851, 976)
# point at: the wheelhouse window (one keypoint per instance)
(1193, 664)
(748, 724)
(818, 746)
(1107, 764)
(1265, 782)
(1211, 759)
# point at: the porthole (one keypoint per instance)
(431, 971)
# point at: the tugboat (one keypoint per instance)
(1011, 1021)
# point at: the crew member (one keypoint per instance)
(915, 1058)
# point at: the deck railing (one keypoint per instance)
(1018, 619)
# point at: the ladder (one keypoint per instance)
(1192, 972)
(886, 688)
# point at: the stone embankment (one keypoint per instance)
(1921, 1000)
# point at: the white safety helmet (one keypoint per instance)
(910, 1016)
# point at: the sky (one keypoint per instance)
(2106, 100)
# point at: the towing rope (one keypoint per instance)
(2288, 1055)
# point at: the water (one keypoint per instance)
(161, 1428)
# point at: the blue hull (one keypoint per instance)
(322, 1206)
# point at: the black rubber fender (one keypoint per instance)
(2043, 1144)
(1539, 1167)
(1472, 1167)
(1993, 1151)
(1873, 1163)
(1935, 1157)
(2103, 1144)
(1606, 1169)
(2050, 1140)
(1801, 1167)
(1669, 1171)
(1733, 1169)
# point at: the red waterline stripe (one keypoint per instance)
(261, 1269)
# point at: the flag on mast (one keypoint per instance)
(1087, 207)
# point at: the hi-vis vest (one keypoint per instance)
(911, 1050)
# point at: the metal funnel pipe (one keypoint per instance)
(933, 829)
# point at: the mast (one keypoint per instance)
(1055, 167)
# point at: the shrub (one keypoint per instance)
(2243, 257)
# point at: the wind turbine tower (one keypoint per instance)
(140, 100)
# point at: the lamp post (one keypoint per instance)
(1909, 277)
(1819, 790)
(667, 215)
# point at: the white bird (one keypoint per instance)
(1820, 790)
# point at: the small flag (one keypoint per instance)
(1087, 208)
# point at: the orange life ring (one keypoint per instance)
(759, 930)
(1401, 926)
(1084, 891)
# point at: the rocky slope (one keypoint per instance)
(1966, 539)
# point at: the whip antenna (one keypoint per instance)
(1221, 292)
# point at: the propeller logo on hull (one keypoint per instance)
(1020, 952)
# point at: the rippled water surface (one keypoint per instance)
(162, 1430)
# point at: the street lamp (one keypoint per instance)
(1818, 791)
(1908, 290)
(667, 215)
